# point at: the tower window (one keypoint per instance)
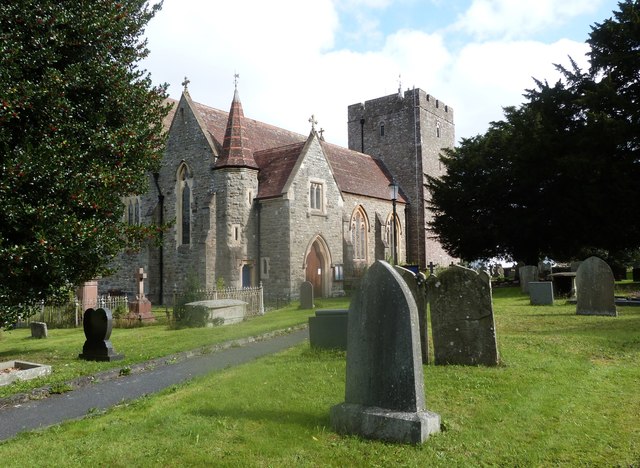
(381, 129)
(437, 129)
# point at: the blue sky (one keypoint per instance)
(301, 57)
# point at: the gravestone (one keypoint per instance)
(414, 280)
(98, 324)
(306, 295)
(140, 309)
(594, 284)
(528, 273)
(384, 395)
(328, 329)
(541, 292)
(462, 324)
(38, 330)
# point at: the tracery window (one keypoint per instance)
(359, 231)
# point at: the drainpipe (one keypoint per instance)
(362, 135)
(259, 262)
(156, 176)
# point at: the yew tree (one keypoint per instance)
(559, 175)
(80, 128)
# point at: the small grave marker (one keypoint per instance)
(98, 324)
(306, 295)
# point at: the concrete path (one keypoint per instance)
(78, 403)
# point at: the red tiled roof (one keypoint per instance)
(359, 173)
(276, 150)
(236, 151)
(275, 167)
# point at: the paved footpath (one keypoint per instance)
(35, 414)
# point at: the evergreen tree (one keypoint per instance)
(559, 176)
(80, 127)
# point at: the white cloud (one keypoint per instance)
(518, 18)
(289, 70)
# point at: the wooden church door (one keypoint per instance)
(315, 271)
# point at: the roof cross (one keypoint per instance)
(185, 82)
(313, 122)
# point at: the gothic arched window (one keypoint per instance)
(183, 208)
(359, 231)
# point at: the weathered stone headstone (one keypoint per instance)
(38, 330)
(328, 329)
(462, 324)
(140, 309)
(528, 273)
(413, 279)
(541, 292)
(594, 284)
(384, 397)
(98, 324)
(306, 295)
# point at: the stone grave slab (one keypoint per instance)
(384, 396)
(10, 371)
(541, 292)
(462, 323)
(413, 279)
(328, 329)
(594, 285)
(306, 295)
(220, 311)
(528, 273)
(39, 330)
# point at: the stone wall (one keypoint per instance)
(407, 132)
(275, 246)
(305, 223)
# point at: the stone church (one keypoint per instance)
(250, 203)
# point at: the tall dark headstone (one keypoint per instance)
(98, 324)
(528, 273)
(462, 321)
(384, 397)
(594, 285)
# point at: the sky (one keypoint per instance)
(297, 58)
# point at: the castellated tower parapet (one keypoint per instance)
(408, 132)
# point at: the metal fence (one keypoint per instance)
(252, 296)
(70, 314)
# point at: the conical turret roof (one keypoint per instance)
(235, 148)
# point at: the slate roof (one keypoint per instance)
(276, 151)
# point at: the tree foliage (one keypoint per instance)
(559, 175)
(80, 127)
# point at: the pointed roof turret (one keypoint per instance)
(235, 150)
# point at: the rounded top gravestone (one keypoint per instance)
(97, 324)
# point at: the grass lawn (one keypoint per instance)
(566, 393)
(61, 348)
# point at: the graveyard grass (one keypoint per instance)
(566, 393)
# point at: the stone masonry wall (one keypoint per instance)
(275, 246)
(402, 130)
(235, 224)
(305, 224)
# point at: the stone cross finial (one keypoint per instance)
(321, 132)
(140, 277)
(313, 122)
(185, 83)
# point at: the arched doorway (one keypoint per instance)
(317, 267)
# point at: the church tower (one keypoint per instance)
(235, 183)
(407, 132)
